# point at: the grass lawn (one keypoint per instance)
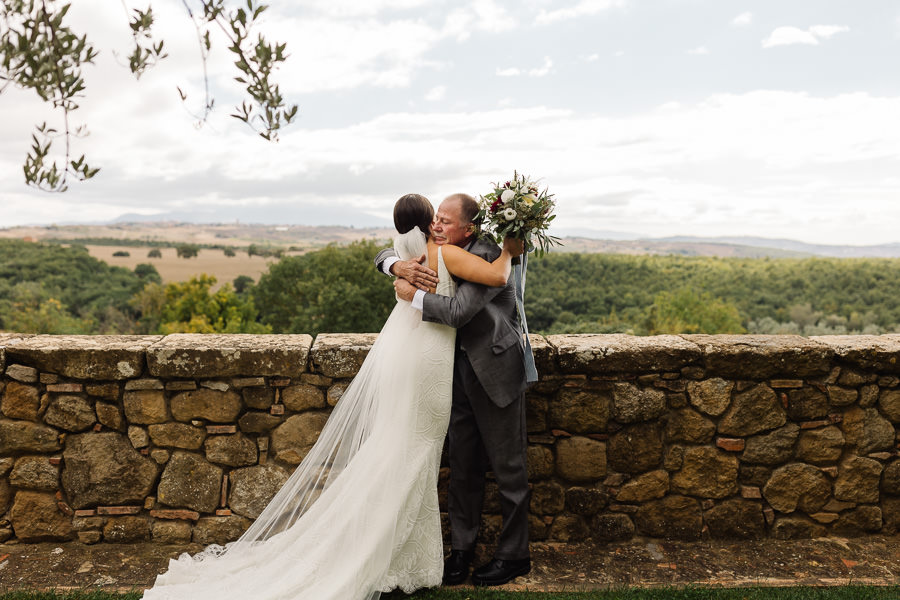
(686, 593)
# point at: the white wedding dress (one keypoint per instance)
(359, 516)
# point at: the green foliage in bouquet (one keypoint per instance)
(518, 208)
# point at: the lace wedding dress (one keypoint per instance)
(359, 516)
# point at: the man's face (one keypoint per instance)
(448, 226)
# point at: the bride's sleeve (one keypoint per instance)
(473, 268)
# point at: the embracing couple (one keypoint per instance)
(359, 516)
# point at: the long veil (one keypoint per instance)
(332, 528)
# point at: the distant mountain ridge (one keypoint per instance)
(312, 236)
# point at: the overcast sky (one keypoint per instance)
(768, 118)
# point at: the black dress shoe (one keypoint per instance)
(500, 571)
(456, 567)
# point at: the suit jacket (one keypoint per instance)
(488, 329)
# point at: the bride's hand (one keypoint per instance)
(514, 246)
(416, 273)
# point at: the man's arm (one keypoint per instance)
(413, 271)
(456, 311)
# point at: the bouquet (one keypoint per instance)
(519, 209)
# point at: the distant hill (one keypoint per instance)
(310, 237)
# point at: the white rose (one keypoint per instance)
(507, 195)
(509, 214)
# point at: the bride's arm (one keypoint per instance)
(473, 268)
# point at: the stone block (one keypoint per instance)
(125, 530)
(36, 517)
(70, 413)
(632, 404)
(890, 478)
(22, 373)
(762, 356)
(103, 468)
(18, 437)
(807, 403)
(299, 397)
(867, 430)
(859, 521)
(753, 410)
(181, 386)
(106, 391)
(797, 486)
(219, 386)
(867, 352)
(688, 426)
(547, 498)
(858, 479)
(294, 438)
(671, 517)
(647, 486)
(252, 488)
(612, 527)
(235, 450)
(537, 408)
(841, 396)
(21, 401)
(138, 437)
(35, 473)
(890, 511)
(175, 514)
(258, 422)
(580, 459)
(772, 448)
(191, 482)
(66, 388)
(889, 403)
(736, 519)
(177, 435)
(636, 448)
(195, 356)
(85, 357)
(212, 405)
(569, 529)
(219, 530)
(544, 355)
(707, 472)
(586, 501)
(582, 409)
(90, 537)
(144, 384)
(144, 407)
(821, 446)
(170, 532)
(620, 353)
(110, 416)
(341, 354)
(540, 462)
(258, 397)
(710, 396)
(796, 528)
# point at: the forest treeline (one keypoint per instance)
(48, 288)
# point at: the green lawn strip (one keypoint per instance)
(664, 593)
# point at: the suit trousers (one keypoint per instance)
(482, 436)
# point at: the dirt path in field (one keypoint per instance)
(559, 567)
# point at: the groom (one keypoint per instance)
(487, 419)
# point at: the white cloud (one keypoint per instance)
(743, 19)
(788, 36)
(581, 9)
(699, 50)
(509, 72)
(541, 71)
(619, 53)
(591, 57)
(436, 93)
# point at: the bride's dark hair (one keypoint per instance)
(413, 210)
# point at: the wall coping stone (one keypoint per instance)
(197, 355)
(622, 353)
(870, 352)
(762, 356)
(96, 357)
(341, 354)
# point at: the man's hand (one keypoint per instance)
(415, 272)
(514, 246)
(405, 290)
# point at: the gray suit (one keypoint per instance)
(487, 420)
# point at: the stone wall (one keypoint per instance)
(186, 437)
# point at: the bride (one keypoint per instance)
(359, 516)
